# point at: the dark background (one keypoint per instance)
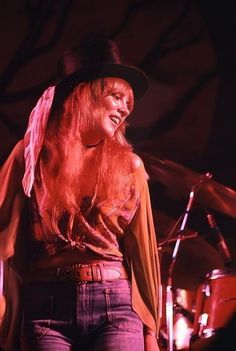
(188, 50)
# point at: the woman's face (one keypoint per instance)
(116, 105)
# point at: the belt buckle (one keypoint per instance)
(81, 273)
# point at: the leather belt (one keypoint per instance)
(96, 272)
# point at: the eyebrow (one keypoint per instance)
(121, 89)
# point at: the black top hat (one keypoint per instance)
(98, 59)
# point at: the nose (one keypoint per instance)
(123, 110)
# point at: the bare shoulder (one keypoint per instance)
(136, 162)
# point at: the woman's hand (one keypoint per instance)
(150, 343)
(2, 307)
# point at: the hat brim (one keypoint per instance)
(134, 76)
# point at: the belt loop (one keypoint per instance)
(96, 274)
(101, 268)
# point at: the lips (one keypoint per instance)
(115, 119)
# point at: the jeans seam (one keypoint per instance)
(108, 305)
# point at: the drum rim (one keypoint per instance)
(218, 273)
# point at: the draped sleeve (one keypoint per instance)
(141, 252)
(11, 199)
(12, 202)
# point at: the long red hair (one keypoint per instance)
(61, 174)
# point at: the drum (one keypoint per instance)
(183, 317)
(215, 303)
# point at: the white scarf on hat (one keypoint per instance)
(33, 138)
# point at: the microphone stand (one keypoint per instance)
(169, 287)
(220, 241)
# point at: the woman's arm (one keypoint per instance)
(141, 251)
(150, 340)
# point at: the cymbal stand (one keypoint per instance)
(169, 287)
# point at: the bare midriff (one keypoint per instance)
(68, 257)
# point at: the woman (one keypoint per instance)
(90, 276)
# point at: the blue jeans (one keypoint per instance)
(97, 316)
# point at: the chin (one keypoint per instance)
(109, 134)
